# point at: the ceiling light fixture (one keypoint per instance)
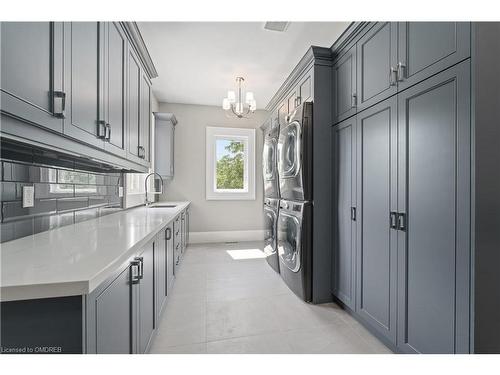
(236, 105)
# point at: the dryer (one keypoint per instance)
(295, 154)
(271, 211)
(269, 162)
(294, 239)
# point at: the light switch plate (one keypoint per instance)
(28, 196)
(120, 191)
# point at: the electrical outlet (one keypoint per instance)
(28, 196)
(120, 191)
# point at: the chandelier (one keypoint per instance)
(236, 105)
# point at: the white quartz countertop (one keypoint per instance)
(75, 259)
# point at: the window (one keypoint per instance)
(230, 164)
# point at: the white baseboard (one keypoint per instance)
(226, 236)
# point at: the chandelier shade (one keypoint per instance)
(233, 104)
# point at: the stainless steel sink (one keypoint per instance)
(163, 206)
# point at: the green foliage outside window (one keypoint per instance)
(230, 167)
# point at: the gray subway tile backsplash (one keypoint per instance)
(63, 196)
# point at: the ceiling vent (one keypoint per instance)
(276, 26)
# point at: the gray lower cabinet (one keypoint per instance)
(112, 309)
(32, 72)
(376, 198)
(344, 259)
(434, 199)
(376, 64)
(426, 48)
(177, 242)
(170, 256)
(121, 312)
(84, 72)
(344, 86)
(146, 319)
(161, 278)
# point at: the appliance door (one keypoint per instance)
(289, 241)
(269, 168)
(270, 217)
(290, 162)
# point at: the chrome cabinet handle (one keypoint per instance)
(354, 100)
(353, 213)
(101, 129)
(401, 71)
(60, 95)
(141, 266)
(393, 220)
(107, 137)
(168, 234)
(135, 272)
(393, 76)
(141, 152)
(402, 221)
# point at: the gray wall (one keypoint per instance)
(189, 179)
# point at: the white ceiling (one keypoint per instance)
(197, 62)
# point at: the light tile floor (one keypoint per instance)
(226, 299)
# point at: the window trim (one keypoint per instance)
(246, 135)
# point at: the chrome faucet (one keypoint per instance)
(146, 186)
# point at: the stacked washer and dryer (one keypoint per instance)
(287, 168)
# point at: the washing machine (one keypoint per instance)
(294, 240)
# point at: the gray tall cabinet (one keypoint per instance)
(405, 262)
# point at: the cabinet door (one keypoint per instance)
(170, 257)
(434, 194)
(305, 90)
(31, 71)
(146, 299)
(292, 101)
(84, 61)
(377, 61)
(145, 118)
(344, 259)
(133, 103)
(160, 272)
(113, 316)
(426, 48)
(183, 231)
(376, 198)
(344, 86)
(115, 88)
(282, 113)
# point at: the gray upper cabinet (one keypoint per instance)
(344, 86)
(114, 93)
(426, 48)
(305, 89)
(434, 195)
(345, 213)
(146, 319)
(145, 119)
(133, 103)
(32, 72)
(84, 74)
(376, 64)
(376, 199)
(282, 113)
